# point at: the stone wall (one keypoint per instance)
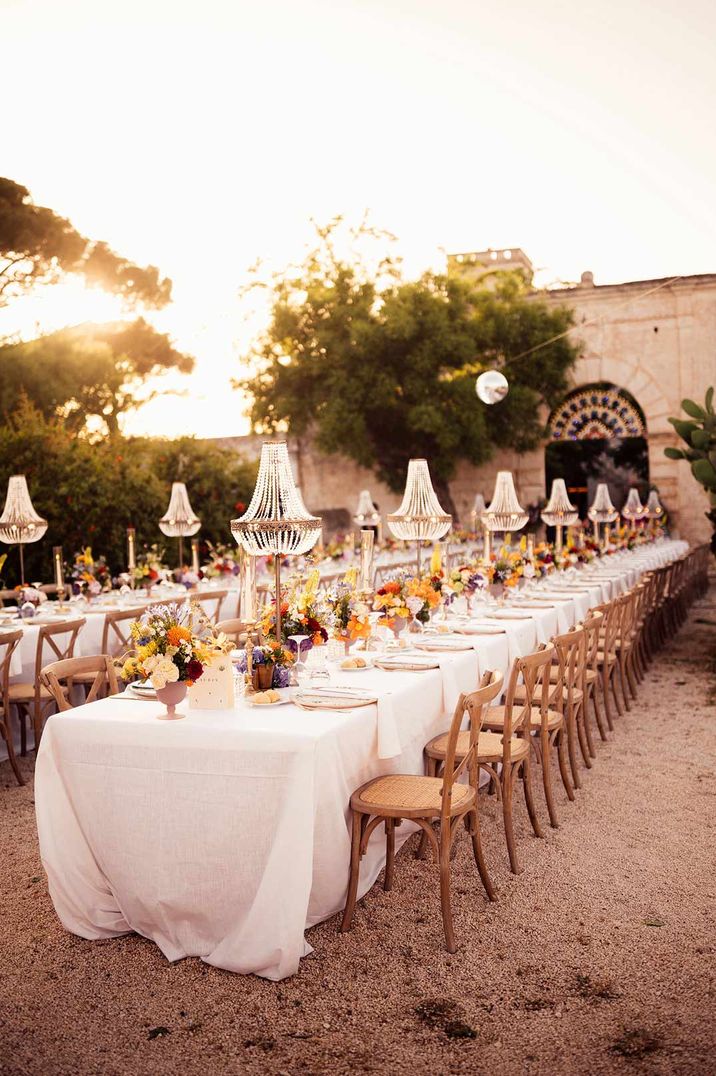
(654, 338)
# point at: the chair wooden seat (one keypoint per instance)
(610, 658)
(26, 692)
(489, 746)
(408, 793)
(495, 719)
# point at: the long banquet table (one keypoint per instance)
(225, 835)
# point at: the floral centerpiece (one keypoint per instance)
(90, 575)
(350, 609)
(170, 652)
(391, 599)
(29, 597)
(150, 567)
(303, 612)
(544, 558)
(465, 581)
(507, 568)
(271, 665)
(422, 597)
(222, 563)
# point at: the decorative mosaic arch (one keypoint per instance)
(596, 412)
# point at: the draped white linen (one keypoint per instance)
(225, 835)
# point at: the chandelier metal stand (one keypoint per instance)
(602, 510)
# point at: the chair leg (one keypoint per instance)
(547, 783)
(572, 747)
(582, 737)
(445, 905)
(631, 674)
(613, 685)
(564, 765)
(355, 872)
(22, 718)
(479, 855)
(622, 682)
(595, 704)
(605, 697)
(527, 788)
(389, 854)
(584, 714)
(11, 752)
(507, 789)
(431, 770)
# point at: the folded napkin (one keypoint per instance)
(340, 698)
(442, 642)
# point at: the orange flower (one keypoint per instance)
(177, 634)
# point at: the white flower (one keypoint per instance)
(164, 672)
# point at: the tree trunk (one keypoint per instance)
(442, 488)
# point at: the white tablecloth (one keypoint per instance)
(225, 835)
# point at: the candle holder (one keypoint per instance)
(602, 510)
(131, 554)
(420, 517)
(179, 520)
(505, 512)
(559, 512)
(276, 522)
(20, 523)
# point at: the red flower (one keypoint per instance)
(240, 507)
(194, 669)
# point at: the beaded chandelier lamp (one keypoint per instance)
(602, 510)
(505, 513)
(420, 517)
(559, 512)
(276, 523)
(365, 514)
(633, 509)
(179, 520)
(653, 508)
(20, 523)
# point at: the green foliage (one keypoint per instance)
(88, 371)
(90, 493)
(700, 438)
(39, 247)
(381, 370)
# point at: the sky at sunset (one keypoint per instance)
(200, 137)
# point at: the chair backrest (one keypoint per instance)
(237, 630)
(533, 669)
(211, 602)
(611, 611)
(627, 606)
(472, 704)
(9, 641)
(57, 639)
(115, 633)
(571, 649)
(8, 596)
(60, 674)
(592, 624)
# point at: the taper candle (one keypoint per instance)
(57, 559)
(195, 555)
(131, 554)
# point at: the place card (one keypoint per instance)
(214, 690)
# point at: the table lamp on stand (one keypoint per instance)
(20, 523)
(559, 512)
(179, 520)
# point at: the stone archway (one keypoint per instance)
(598, 434)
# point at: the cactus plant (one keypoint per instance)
(699, 433)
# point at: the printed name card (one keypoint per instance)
(214, 690)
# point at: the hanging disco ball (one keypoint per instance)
(492, 386)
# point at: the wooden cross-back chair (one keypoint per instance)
(591, 681)
(9, 641)
(96, 674)
(34, 700)
(8, 596)
(607, 656)
(211, 602)
(427, 801)
(116, 638)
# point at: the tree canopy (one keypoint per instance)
(382, 369)
(89, 371)
(90, 493)
(39, 247)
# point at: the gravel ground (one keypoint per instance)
(598, 958)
